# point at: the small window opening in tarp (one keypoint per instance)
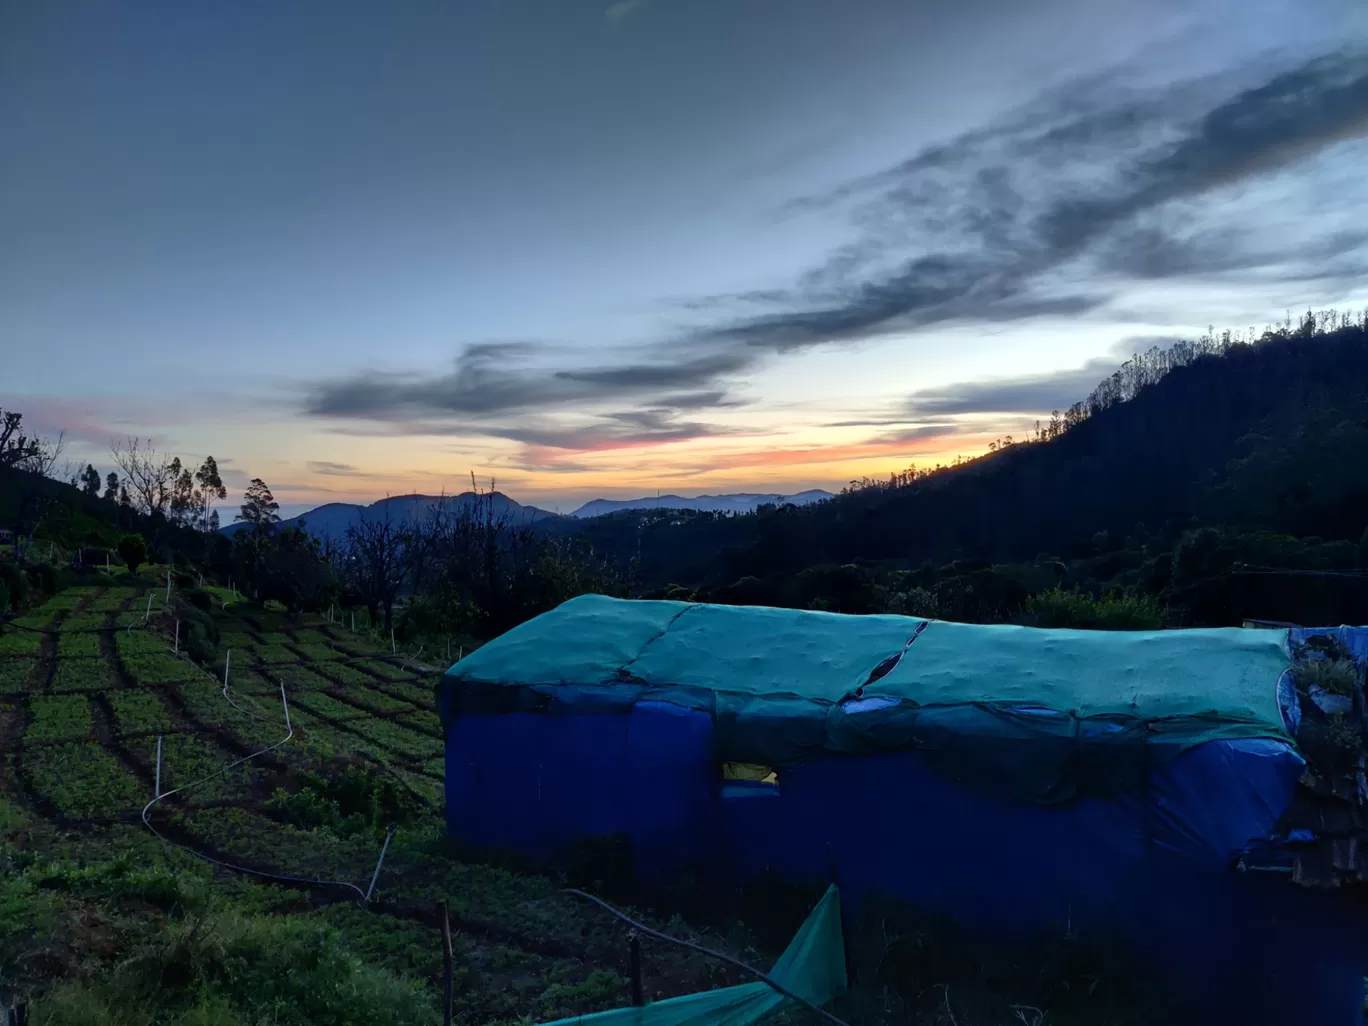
(750, 771)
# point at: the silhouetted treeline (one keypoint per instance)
(1257, 438)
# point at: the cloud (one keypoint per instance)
(516, 391)
(1029, 394)
(331, 469)
(1016, 220)
(1047, 212)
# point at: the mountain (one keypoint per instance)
(737, 502)
(1270, 435)
(332, 519)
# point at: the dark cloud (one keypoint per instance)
(614, 430)
(990, 226)
(507, 391)
(332, 469)
(918, 433)
(1032, 394)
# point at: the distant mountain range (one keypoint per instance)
(739, 502)
(333, 519)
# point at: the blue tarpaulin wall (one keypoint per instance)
(1154, 864)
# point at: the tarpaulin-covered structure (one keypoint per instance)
(1103, 784)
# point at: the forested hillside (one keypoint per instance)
(1261, 441)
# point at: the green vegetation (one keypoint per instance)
(133, 551)
(58, 718)
(144, 933)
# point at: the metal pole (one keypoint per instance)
(168, 586)
(177, 648)
(446, 961)
(392, 650)
(353, 621)
(158, 784)
(227, 658)
(148, 614)
(290, 729)
(634, 968)
(388, 834)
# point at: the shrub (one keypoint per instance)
(15, 583)
(200, 599)
(42, 578)
(1059, 607)
(133, 551)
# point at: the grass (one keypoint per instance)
(102, 924)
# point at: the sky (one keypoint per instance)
(589, 249)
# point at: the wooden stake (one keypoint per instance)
(177, 648)
(445, 918)
(634, 969)
(392, 648)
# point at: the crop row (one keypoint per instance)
(83, 780)
(18, 674)
(58, 718)
(19, 642)
(199, 760)
(85, 674)
(137, 712)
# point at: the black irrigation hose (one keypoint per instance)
(78, 630)
(261, 874)
(700, 949)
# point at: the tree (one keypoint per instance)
(292, 570)
(132, 550)
(148, 475)
(16, 448)
(259, 507)
(90, 481)
(211, 487)
(111, 487)
(193, 494)
(375, 564)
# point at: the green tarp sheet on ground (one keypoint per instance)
(812, 966)
(1045, 714)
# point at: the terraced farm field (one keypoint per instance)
(104, 922)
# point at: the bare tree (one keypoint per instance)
(149, 476)
(16, 448)
(375, 562)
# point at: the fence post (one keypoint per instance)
(148, 614)
(177, 648)
(634, 968)
(158, 784)
(168, 586)
(392, 648)
(227, 659)
(388, 834)
(446, 962)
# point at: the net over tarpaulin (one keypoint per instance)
(1046, 714)
(812, 966)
